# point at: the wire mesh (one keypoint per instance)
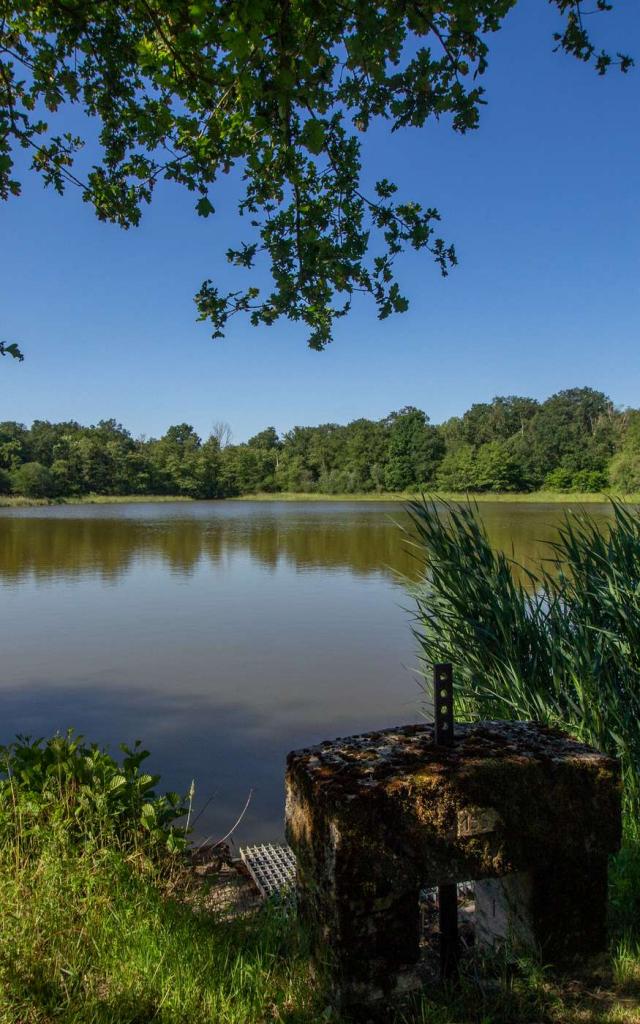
(271, 867)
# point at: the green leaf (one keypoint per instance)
(204, 207)
(313, 136)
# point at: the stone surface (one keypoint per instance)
(374, 818)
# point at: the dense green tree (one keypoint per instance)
(267, 440)
(496, 469)
(624, 469)
(207, 470)
(498, 420)
(33, 480)
(44, 436)
(186, 91)
(297, 471)
(14, 445)
(248, 468)
(575, 441)
(181, 464)
(365, 455)
(457, 471)
(5, 482)
(415, 448)
(574, 429)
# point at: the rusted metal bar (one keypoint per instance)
(447, 894)
(443, 704)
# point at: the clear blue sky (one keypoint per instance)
(542, 203)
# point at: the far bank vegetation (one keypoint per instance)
(575, 441)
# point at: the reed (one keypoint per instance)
(559, 643)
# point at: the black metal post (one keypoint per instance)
(447, 894)
(443, 704)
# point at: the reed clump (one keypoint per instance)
(559, 643)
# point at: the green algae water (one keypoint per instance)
(221, 634)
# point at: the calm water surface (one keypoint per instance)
(222, 634)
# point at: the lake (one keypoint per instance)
(222, 634)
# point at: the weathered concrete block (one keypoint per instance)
(374, 818)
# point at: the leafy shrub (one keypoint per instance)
(589, 481)
(5, 482)
(33, 480)
(61, 786)
(624, 471)
(559, 645)
(560, 479)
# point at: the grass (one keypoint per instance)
(92, 938)
(94, 928)
(532, 498)
(18, 501)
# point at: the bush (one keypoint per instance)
(34, 480)
(624, 472)
(62, 786)
(586, 481)
(559, 479)
(457, 471)
(5, 482)
(589, 481)
(98, 920)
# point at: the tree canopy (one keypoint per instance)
(574, 441)
(284, 91)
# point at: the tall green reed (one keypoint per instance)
(558, 644)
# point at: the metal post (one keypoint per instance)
(443, 704)
(447, 894)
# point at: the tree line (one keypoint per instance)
(576, 440)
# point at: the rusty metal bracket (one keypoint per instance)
(443, 704)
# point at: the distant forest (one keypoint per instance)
(574, 441)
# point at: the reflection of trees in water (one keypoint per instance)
(361, 542)
(109, 547)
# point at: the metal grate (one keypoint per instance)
(273, 868)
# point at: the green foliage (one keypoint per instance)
(590, 481)
(63, 787)
(574, 441)
(559, 479)
(456, 472)
(33, 480)
(90, 864)
(585, 481)
(414, 449)
(101, 923)
(624, 470)
(576, 429)
(559, 645)
(285, 93)
(11, 349)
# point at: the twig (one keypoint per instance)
(231, 830)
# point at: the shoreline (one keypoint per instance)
(531, 498)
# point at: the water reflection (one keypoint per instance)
(222, 634)
(108, 540)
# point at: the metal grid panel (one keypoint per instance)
(273, 868)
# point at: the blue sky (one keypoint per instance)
(542, 203)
